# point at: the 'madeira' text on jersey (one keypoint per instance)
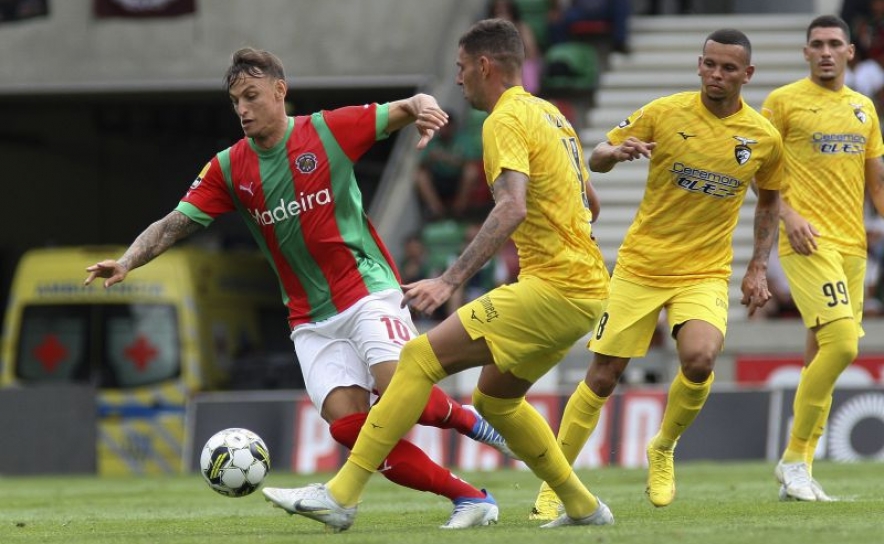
(294, 208)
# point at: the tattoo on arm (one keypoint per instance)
(483, 247)
(508, 212)
(766, 222)
(157, 238)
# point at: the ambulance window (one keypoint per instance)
(141, 345)
(53, 344)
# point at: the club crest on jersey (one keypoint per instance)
(632, 118)
(859, 113)
(199, 178)
(742, 151)
(306, 163)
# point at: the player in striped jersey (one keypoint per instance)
(515, 333)
(833, 148)
(292, 180)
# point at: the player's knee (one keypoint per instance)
(418, 359)
(603, 376)
(494, 407)
(839, 341)
(697, 364)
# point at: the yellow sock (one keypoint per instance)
(579, 420)
(684, 402)
(529, 436)
(838, 346)
(388, 421)
(817, 434)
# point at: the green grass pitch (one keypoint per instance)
(716, 503)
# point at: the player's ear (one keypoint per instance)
(750, 70)
(280, 89)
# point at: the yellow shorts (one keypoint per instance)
(826, 286)
(628, 324)
(529, 326)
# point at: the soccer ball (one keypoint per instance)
(234, 462)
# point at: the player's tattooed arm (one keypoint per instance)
(157, 238)
(754, 284)
(766, 222)
(510, 194)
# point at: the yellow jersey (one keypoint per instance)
(529, 135)
(698, 176)
(828, 136)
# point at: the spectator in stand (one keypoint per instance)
(532, 68)
(853, 10)
(414, 265)
(564, 14)
(445, 177)
(868, 72)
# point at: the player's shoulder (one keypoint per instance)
(763, 124)
(239, 148)
(857, 99)
(787, 96)
(514, 110)
(686, 99)
(796, 87)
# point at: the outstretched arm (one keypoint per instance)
(606, 155)
(420, 109)
(754, 286)
(510, 190)
(151, 243)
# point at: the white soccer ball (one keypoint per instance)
(234, 462)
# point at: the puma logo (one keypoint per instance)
(250, 188)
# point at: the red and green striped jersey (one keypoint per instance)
(301, 203)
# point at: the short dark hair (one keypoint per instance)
(730, 36)
(829, 21)
(499, 39)
(249, 61)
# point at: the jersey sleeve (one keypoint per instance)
(207, 197)
(875, 147)
(357, 128)
(505, 145)
(770, 175)
(772, 110)
(640, 124)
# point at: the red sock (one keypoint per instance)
(443, 412)
(407, 465)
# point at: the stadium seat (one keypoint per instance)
(571, 66)
(443, 239)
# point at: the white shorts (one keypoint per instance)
(338, 352)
